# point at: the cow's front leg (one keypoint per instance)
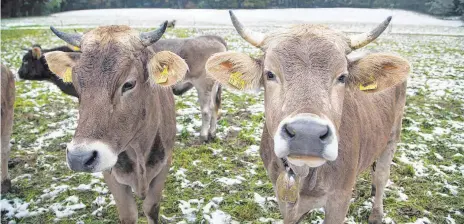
(336, 207)
(216, 105)
(6, 182)
(151, 204)
(125, 202)
(380, 178)
(204, 95)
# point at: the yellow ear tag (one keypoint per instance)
(163, 76)
(369, 86)
(67, 75)
(237, 81)
(76, 48)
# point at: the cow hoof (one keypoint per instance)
(211, 136)
(375, 222)
(204, 139)
(375, 217)
(6, 185)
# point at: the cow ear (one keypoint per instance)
(36, 52)
(377, 72)
(167, 68)
(235, 70)
(62, 63)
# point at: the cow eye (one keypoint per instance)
(270, 75)
(128, 86)
(342, 78)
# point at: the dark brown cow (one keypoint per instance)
(329, 115)
(127, 122)
(8, 98)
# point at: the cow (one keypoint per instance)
(329, 113)
(8, 98)
(126, 126)
(195, 51)
(33, 67)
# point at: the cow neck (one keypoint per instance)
(140, 168)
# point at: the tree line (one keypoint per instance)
(17, 8)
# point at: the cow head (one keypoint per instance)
(117, 78)
(305, 72)
(33, 66)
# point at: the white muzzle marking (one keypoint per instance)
(282, 150)
(106, 158)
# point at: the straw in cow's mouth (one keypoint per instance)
(287, 167)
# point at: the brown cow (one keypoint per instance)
(127, 124)
(196, 52)
(321, 131)
(8, 98)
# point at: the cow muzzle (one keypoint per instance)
(90, 156)
(306, 139)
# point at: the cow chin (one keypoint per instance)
(90, 156)
(306, 140)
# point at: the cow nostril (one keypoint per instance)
(92, 159)
(289, 131)
(326, 135)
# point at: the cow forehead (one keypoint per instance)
(314, 55)
(123, 36)
(307, 32)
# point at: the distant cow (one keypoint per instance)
(8, 98)
(34, 67)
(127, 124)
(329, 116)
(195, 51)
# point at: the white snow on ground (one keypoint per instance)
(16, 207)
(231, 181)
(263, 202)
(188, 211)
(219, 217)
(252, 150)
(206, 17)
(62, 211)
(52, 193)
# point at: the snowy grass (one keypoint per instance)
(225, 181)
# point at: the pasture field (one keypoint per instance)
(225, 181)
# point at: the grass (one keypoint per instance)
(45, 119)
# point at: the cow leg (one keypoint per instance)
(216, 101)
(6, 182)
(337, 206)
(180, 88)
(151, 204)
(125, 202)
(204, 95)
(380, 178)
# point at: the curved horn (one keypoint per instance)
(149, 38)
(361, 40)
(254, 38)
(71, 38)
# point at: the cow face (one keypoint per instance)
(115, 76)
(305, 73)
(32, 67)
